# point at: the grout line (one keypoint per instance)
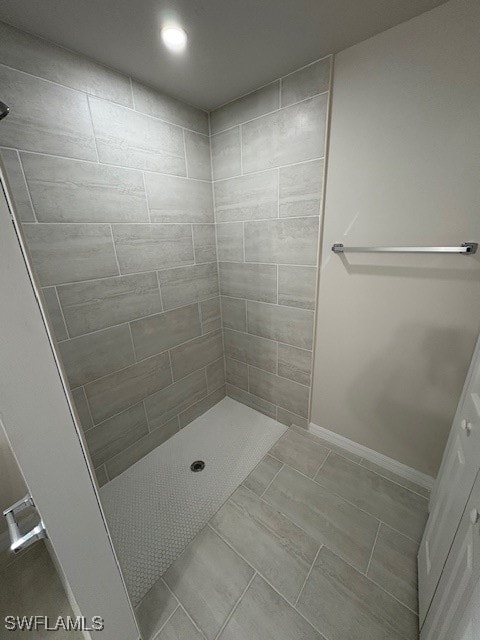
(160, 292)
(321, 465)
(61, 312)
(234, 608)
(373, 549)
(146, 198)
(157, 635)
(193, 245)
(191, 620)
(251, 262)
(271, 169)
(115, 251)
(397, 482)
(93, 130)
(308, 575)
(133, 343)
(272, 480)
(22, 169)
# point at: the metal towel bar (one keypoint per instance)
(467, 248)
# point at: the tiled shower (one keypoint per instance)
(176, 249)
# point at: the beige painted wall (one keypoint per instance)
(395, 334)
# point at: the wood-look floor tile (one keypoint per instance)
(299, 452)
(263, 474)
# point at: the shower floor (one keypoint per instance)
(156, 507)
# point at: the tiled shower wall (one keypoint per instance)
(112, 182)
(268, 152)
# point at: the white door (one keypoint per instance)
(459, 577)
(37, 415)
(459, 467)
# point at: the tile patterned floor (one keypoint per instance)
(316, 544)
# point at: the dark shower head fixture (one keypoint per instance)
(4, 110)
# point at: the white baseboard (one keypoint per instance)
(373, 456)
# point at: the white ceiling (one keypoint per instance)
(234, 45)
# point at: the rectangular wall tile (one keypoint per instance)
(293, 134)
(247, 197)
(226, 154)
(259, 404)
(174, 199)
(134, 140)
(71, 252)
(195, 354)
(291, 326)
(97, 304)
(236, 373)
(115, 434)
(216, 375)
(66, 190)
(165, 404)
(55, 313)
(17, 184)
(82, 408)
(252, 281)
(306, 82)
(118, 391)
(297, 286)
(140, 448)
(38, 57)
(188, 284)
(210, 315)
(197, 148)
(234, 313)
(199, 408)
(288, 418)
(251, 349)
(288, 241)
(294, 364)
(285, 393)
(204, 244)
(165, 330)
(300, 192)
(161, 105)
(254, 104)
(230, 241)
(146, 247)
(97, 354)
(64, 128)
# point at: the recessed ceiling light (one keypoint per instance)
(174, 38)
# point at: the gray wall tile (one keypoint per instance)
(174, 199)
(97, 354)
(117, 433)
(216, 375)
(234, 313)
(97, 304)
(44, 59)
(197, 148)
(253, 281)
(146, 247)
(236, 373)
(16, 181)
(197, 353)
(285, 393)
(140, 448)
(134, 140)
(101, 475)
(289, 418)
(210, 315)
(294, 363)
(247, 197)
(251, 349)
(288, 241)
(118, 391)
(71, 252)
(300, 191)
(64, 128)
(166, 403)
(293, 134)
(65, 190)
(82, 408)
(259, 404)
(188, 284)
(306, 82)
(165, 330)
(199, 408)
(230, 241)
(226, 154)
(204, 244)
(297, 286)
(55, 313)
(161, 105)
(288, 325)
(247, 107)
